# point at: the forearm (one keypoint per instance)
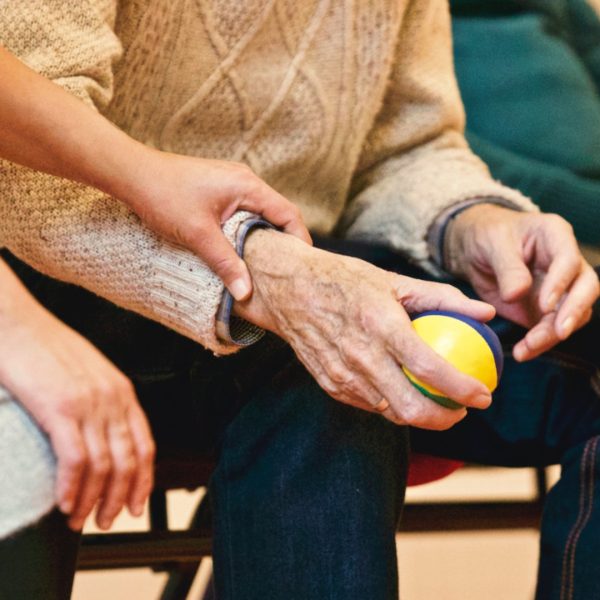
(12, 297)
(45, 128)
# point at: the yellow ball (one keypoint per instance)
(469, 345)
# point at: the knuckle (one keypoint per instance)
(125, 467)
(125, 386)
(423, 369)
(147, 452)
(337, 373)
(101, 465)
(225, 265)
(75, 460)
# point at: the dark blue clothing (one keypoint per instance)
(307, 492)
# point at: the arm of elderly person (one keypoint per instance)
(348, 320)
(527, 265)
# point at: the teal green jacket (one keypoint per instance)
(529, 72)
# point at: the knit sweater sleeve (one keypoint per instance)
(415, 162)
(75, 233)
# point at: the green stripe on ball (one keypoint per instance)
(442, 400)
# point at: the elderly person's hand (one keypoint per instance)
(348, 323)
(186, 200)
(528, 265)
(101, 438)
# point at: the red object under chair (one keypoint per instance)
(424, 468)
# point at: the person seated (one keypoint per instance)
(529, 74)
(351, 110)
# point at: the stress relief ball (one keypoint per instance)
(469, 345)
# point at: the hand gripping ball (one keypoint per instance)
(469, 345)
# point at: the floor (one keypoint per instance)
(453, 566)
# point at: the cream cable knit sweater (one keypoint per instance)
(350, 109)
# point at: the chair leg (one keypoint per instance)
(181, 580)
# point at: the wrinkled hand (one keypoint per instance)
(186, 200)
(89, 410)
(347, 321)
(528, 265)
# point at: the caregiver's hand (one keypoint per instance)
(101, 438)
(186, 200)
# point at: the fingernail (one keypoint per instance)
(137, 510)
(239, 289)
(551, 302)
(104, 523)
(567, 326)
(66, 506)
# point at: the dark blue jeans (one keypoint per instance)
(307, 492)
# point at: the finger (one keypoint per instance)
(276, 209)
(211, 245)
(408, 406)
(98, 468)
(538, 340)
(145, 450)
(579, 300)
(124, 462)
(564, 269)
(430, 368)
(436, 296)
(71, 455)
(513, 277)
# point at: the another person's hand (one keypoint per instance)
(528, 265)
(348, 323)
(99, 433)
(186, 200)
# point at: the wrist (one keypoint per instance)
(276, 262)
(130, 171)
(461, 228)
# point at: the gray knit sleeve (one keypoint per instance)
(27, 468)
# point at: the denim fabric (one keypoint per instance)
(307, 491)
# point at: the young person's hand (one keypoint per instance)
(99, 433)
(186, 200)
(528, 265)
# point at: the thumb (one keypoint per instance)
(216, 251)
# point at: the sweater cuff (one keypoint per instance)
(230, 328)
(437, 231)
(186, 294)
